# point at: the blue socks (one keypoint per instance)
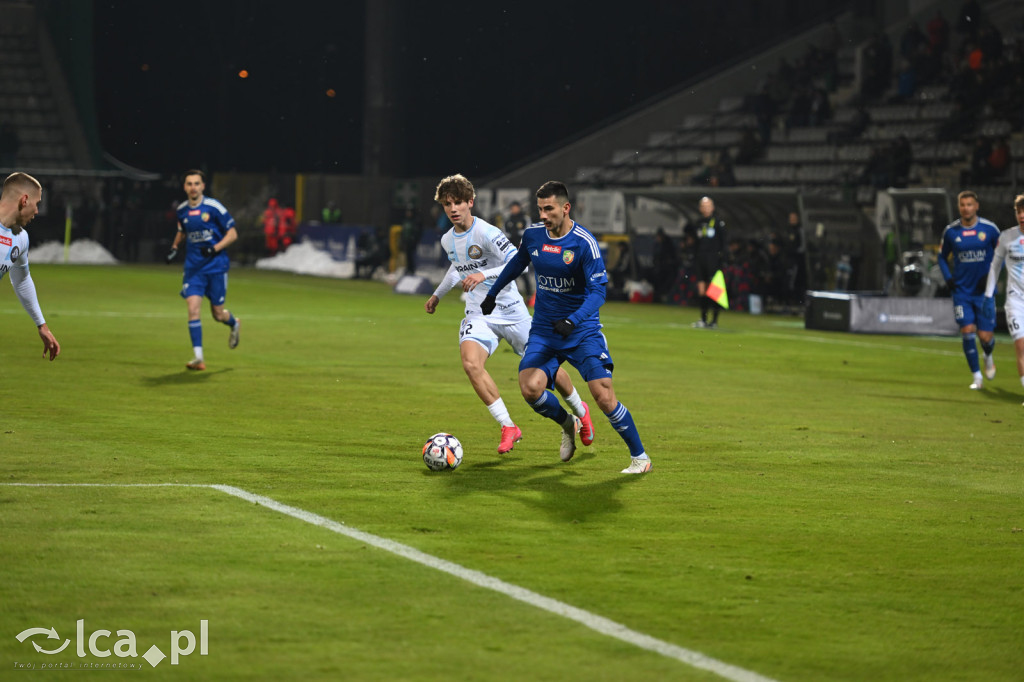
(549, 406)
(195, 331)
(622, 421)
(230, 321)
(971, 351)
(620, 418)
(988, 347)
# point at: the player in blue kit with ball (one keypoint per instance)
(971, 241)
(571, 281)
(209, 229)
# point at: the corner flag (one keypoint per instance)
(716, 290)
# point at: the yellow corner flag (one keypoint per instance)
(716, 290)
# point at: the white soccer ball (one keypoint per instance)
(442, 451)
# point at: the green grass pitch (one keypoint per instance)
(822, 506)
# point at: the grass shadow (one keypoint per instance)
(563, 491)
(184, 377)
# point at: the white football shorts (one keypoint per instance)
(1014, 308)
(489, 334)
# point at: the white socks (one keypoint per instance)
(500, 413)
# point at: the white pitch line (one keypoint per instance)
(590, 620)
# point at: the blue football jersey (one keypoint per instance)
(972, 249)
(570, 276)
(204, 225)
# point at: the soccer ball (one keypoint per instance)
(442, 451)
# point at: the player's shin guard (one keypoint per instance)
(548, 406)
(971, 351)
(622, 421)
(195, 332)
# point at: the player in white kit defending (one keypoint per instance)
(19, 204)
(478, 252)
(1010, 249)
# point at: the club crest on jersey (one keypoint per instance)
(568, 257)
(205, 217)
(475, 252)
(15, 252)
(982, 236)
(551, 248)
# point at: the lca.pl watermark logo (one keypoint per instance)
(98, 644)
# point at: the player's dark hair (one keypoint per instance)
(967, 194)
(553, 188)
(457, 187)
(1018, 203)
(194, 171)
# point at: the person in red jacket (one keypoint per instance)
(272, 220)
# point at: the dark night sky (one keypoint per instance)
(483, 85)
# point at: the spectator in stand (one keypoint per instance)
(288, 229)
(685, 290)
(878, 170)
(738, 276)
(331, 214)
(999, 158)
(749, 148)
(906, 81)
(975, 56)
(902, 158)
(777, 275)
(516, 222)
(911, 40)
(272, 219)
(441, 222)
(666, 265)
(796, 253)
(938, 34)
(990, 40)
(411, 234)
(965, 87)
(959, 123)
(764, 111)
(821, 107)
(799, 114)
(877, 66)
(619, 272)
(979, 171)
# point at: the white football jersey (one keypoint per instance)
(13, 248)
(1009, 248)
(14, 259)
(485, 249)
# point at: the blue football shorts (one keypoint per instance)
(588, 353)
(967, 311)
(213, 286)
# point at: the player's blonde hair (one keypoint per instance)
(19, 183)
(457, 187)
(967, 194)
(1018, 203)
